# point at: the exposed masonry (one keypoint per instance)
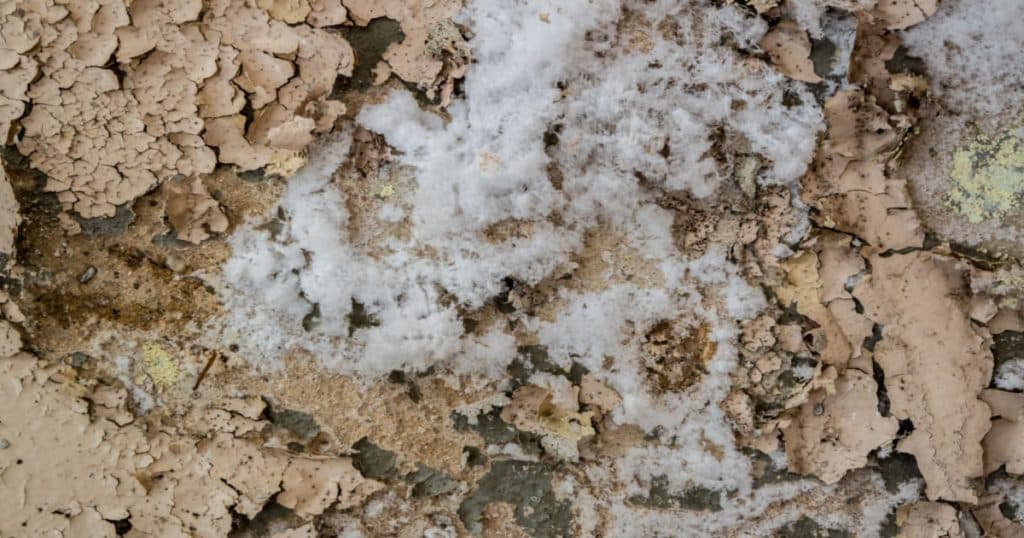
(360, 277)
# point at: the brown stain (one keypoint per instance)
(350, 409)
(134, 288)
(674, 362)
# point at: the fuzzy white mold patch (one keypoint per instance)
(643, 106)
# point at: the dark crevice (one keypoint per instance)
(368, 43)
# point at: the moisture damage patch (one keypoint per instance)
(678, 279)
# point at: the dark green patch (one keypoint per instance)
(358, 318)
(255, 176)
(1007, 346)
(273, 518)
(77, 359)
(1010, 510)
(576, 373)
(474, 456)
(169, 240)
(898, 469)
(527, 487)
(368, 43)
(412, 388)
(903, 62)
(430, 482)
(889, 528)
(312, 319)
(881, 393)
(696, 498)
(373, 461)
(806, 527)
(107, 226)
(532, 359)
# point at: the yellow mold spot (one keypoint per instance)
(988, 176)
(159, 365)
(387, 191)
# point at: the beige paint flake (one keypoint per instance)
(935, 363)
(103, 142)
(848, 180)
(309, 486)
(289, 11)
(554, 416)
(902, 14)
(789, 50)
(804, 288)
(992, 520)
(192, 212)
(10, 340)
(73, 470)
(833, 433)
(928, 520)
(595, 393)
(433, 53)
(9, 221)
(1004, 443)
(326, 13)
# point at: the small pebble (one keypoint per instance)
(87, 275)
(4, 443)
(175, 263)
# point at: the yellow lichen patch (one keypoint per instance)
(988, 176)
(159, 365)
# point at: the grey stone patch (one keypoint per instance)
(253, 176)
(764, 471)
(169, 240)
(87, 275)
(806, 527)
(429, 482)
(77, 359)
(496, 431)
(373, 461)
(696, 498)
(107, 226)
(526, 486)
(303, 425)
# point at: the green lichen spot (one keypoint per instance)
(988, 176)
(159, 365)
